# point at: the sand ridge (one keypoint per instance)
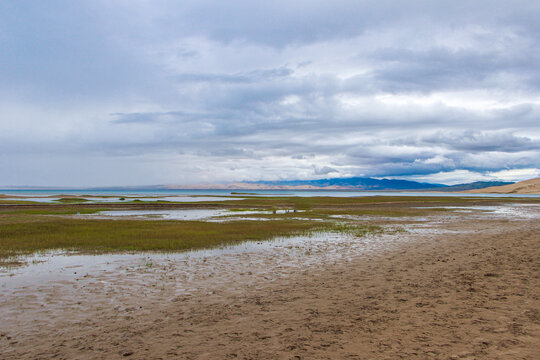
(523, 187)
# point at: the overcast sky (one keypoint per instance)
(96, 93)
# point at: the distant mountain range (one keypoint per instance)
(362, 183)
(350, 183)
(472, 186)
(356, 183)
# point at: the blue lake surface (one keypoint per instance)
(243, 193)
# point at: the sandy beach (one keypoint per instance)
(452, 286)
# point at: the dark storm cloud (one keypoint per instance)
(212, 90)
(471, 141)
(325, 170)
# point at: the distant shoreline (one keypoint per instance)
(528, 187)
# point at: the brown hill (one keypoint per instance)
(523, 187)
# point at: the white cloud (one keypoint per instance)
(515, 174)
(452, 177)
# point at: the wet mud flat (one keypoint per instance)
(458, 286)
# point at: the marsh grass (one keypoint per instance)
(246, 209)
(382, 212)
(354, 229)
(306, 203)
(278, 216)
(26, 229)
(52, 211)
(71, 200)
(124, 235)
(326, 213)
(17, 202)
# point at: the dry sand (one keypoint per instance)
(463, 286)
(523, 187)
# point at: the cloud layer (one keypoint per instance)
(145, 92)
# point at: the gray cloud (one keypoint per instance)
(471, 141)
(325, 170)
(207, 90)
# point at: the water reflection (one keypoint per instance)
(189, 214)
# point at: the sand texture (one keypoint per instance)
(523, 187)
(462, 286)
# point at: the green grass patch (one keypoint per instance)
(71, 200)
(354, 229)
(308, 203)
(381, 212)
(17, 202)
(51, 211)
(246, 209)
(85, 235)
(277, 216)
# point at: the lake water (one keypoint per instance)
(242, 193)
(118, 198)
(187, 214)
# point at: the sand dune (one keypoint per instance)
(523, 187)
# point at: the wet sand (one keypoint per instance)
(460, 286)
